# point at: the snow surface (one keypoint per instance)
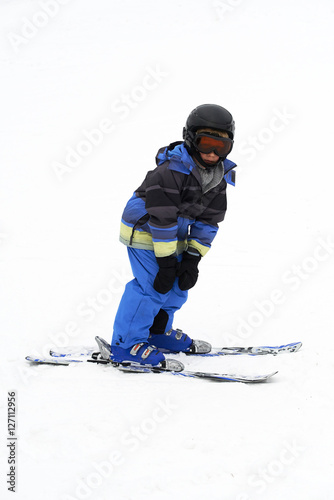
(136, 69)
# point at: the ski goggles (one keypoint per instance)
(206, 144)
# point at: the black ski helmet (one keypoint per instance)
(207, 116)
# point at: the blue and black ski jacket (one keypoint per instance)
(169, 211)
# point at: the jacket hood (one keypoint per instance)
(175, 152)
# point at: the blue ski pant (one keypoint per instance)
(141, 303)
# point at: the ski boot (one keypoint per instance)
(144, 354)
(177, 341)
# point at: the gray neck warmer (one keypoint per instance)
(211, 177)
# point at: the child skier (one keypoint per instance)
(168, 226)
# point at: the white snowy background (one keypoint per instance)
(89, 92)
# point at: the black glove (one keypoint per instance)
(188, 272)
(165, 278)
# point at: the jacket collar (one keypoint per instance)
(181, 161)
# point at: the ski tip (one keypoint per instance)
(46, 361)
(264, 378)
(72, 352)
(293, 347)
(256, 379)
(56, 354)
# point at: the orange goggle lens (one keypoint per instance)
(207, 144)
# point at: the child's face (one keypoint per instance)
(209, 157)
